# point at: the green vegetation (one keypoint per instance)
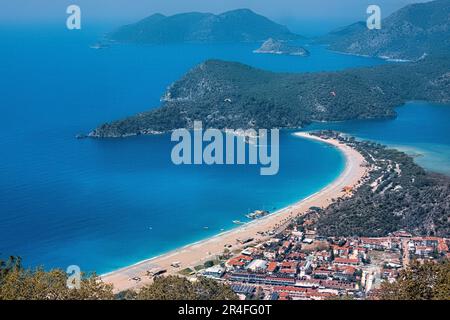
(240, 25)
(232, 95)
(186, 271)
(17, 283)
(178, 288)
(199, 267)
(427, 281)
(279, 47)
(208, 264)
(398, 194)
(410, 33)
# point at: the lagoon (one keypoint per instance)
(420, 129)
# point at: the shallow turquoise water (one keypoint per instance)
(421, 129)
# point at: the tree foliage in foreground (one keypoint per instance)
(18, 283)
(178, 288)
(427, 281)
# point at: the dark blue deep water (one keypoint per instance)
(104, 204)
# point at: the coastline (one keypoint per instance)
(197, 253)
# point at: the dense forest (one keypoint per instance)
(398, 194)
(232, 95)
(420, 281)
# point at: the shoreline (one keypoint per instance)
(198, 252)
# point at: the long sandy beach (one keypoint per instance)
(199, 252)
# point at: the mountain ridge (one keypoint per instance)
(236, 96)
(240, 25)
(410, 33)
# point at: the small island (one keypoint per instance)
(273, 46)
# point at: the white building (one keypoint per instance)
(215, 272)
(257, 265)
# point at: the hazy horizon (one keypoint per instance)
(296, 14)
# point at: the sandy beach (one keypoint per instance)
(199, 252)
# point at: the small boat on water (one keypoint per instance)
(238, 222)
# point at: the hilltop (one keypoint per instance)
(241, 25)
(410, 33)
(233, 95)
(273, 46)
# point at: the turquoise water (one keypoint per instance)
(104, 204)
(420, 129)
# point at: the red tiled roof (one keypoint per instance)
(442, 246)
(289, 264)
(236, 263)
(286, 244)
(349, 270)
(378, 241)
(425, 239)
(336, 247)
(428, 248)
(288, 270)
(272, 266)
(239, 260)
(346, 261)
(334, 284)
(286, 289)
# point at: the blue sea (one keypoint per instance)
(105, 204)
